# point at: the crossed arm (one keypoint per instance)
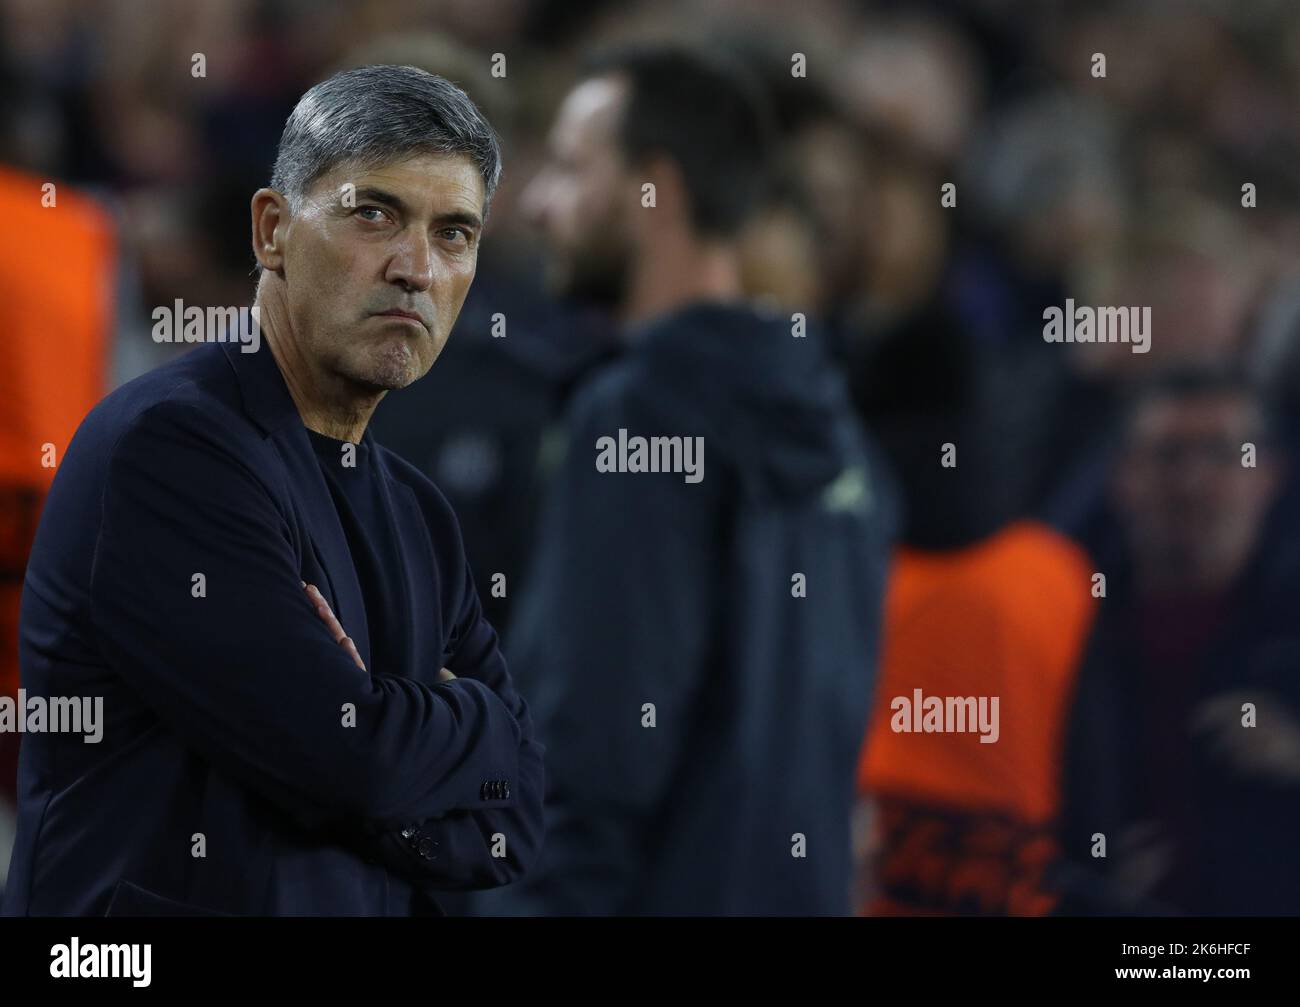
(468, 861)
(254, 681)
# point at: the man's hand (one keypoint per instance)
(335, 627)
(332, 623)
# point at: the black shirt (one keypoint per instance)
(365, 512)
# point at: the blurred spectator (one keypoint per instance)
(950, 824)
(698, 644)
(947, 348)
(985, 605)
(55, 368)
(1197, 799)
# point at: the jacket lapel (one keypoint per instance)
(268, 403)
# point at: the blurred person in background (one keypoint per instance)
(1198, 799)
(941, 327)
(1194, 269)
(801, 248)
(985, 603)
(699, 651)
(58, 264)
(54, 366)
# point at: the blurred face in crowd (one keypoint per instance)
(778, 255)
(1192, 510)
(374, 278)
(582, 196)
(835, 174)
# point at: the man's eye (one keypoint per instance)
(452, 233)
(365, 211)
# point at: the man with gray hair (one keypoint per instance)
(305, 711)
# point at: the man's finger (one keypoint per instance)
(351, 648)
(333, 625)
(331, 622)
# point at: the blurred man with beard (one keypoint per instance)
(699, 633)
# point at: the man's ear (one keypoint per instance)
(270, 212)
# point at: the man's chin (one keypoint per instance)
(391, 383)
(387, 371)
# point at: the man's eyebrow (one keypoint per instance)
(471, 220)
(386, 198)
(383, 196)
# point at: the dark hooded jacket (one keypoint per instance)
(701, 652)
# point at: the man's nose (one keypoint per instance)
(411, 264)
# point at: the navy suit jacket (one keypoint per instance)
(247, 766)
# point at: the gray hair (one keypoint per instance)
(374, 115)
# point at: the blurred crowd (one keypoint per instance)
(1124, 779)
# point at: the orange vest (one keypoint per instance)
(57, 266)
(961, 825)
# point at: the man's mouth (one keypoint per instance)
(399, 313)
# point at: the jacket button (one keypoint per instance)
(426, 848)
(408, 832)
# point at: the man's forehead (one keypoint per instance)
(435, 178)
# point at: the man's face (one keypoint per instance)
(404, 238)
(1191, 508)
(582, 196)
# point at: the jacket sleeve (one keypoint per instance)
(610, 644)
(197, 602)
(498, 842)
